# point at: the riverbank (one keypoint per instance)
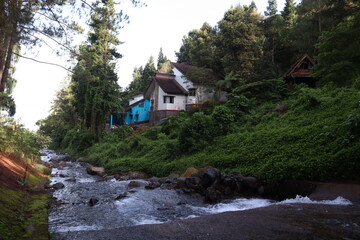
(23, 200)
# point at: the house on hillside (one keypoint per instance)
(170, 93)
(138, 111)
(167, 97)
(299, 72)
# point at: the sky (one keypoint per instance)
(162, 24)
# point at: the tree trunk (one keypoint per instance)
(10, 34)
(9, 54)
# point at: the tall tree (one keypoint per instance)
(28, 22)
(271, 9)
(289, 13)
(161, 59)
(198, 47)
(239, 45)
(339, 58)
(95, 86)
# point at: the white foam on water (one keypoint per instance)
(190, 216)
(300, 199)
(146, 219)
(86, 180)
(78, 228)
(236, 205)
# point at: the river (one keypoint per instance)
(88, 203)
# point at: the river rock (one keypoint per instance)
(194, 183)
(121, 196)
(212, 194)
(251, 182)
(80, 159)
(136, 184)
(180, 182)
(71, 180)
(189, 172)
(208, 175)
(152, 185)
(173, 175)
(93, 201)
(60, 158)
(169, 184)
(100, 171)
(58, 186)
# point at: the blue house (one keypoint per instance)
(138, 111)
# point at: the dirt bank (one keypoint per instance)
(23, 201)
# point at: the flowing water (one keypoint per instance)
(89, 202)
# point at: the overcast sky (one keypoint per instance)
(163, 23)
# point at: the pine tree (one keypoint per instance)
(289, 13)
(95, 86)
(161, 59)
(271, 9)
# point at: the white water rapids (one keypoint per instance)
(120, 206)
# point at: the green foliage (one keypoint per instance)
(263, 91)
(196, 132)
(76, 141)
(94, 81)
(223, 118)
(161, 59)
(19, 142)
(289, 13)
(239, 43)
(198, 47)
(317, 139)
(271, 9)
(338, 62)
(7, 104)
(117, 134)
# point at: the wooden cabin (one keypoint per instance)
(300, 72)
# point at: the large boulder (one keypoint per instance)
(194, 183)
(209, 175)
(212, 195)
(251, 182)
(100, 171)
(189, 172)
(181, 182)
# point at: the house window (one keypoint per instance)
(304, 65)
(141, 105)
(169, 99)
(192, 91)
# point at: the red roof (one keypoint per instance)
(168, 84)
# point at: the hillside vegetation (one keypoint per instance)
(310, 134)
(264, 130)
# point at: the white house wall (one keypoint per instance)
(179, 102)
(136, 99)
(179, 77)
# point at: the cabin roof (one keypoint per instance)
(296, 71)
(168, 84)
(183, 68)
